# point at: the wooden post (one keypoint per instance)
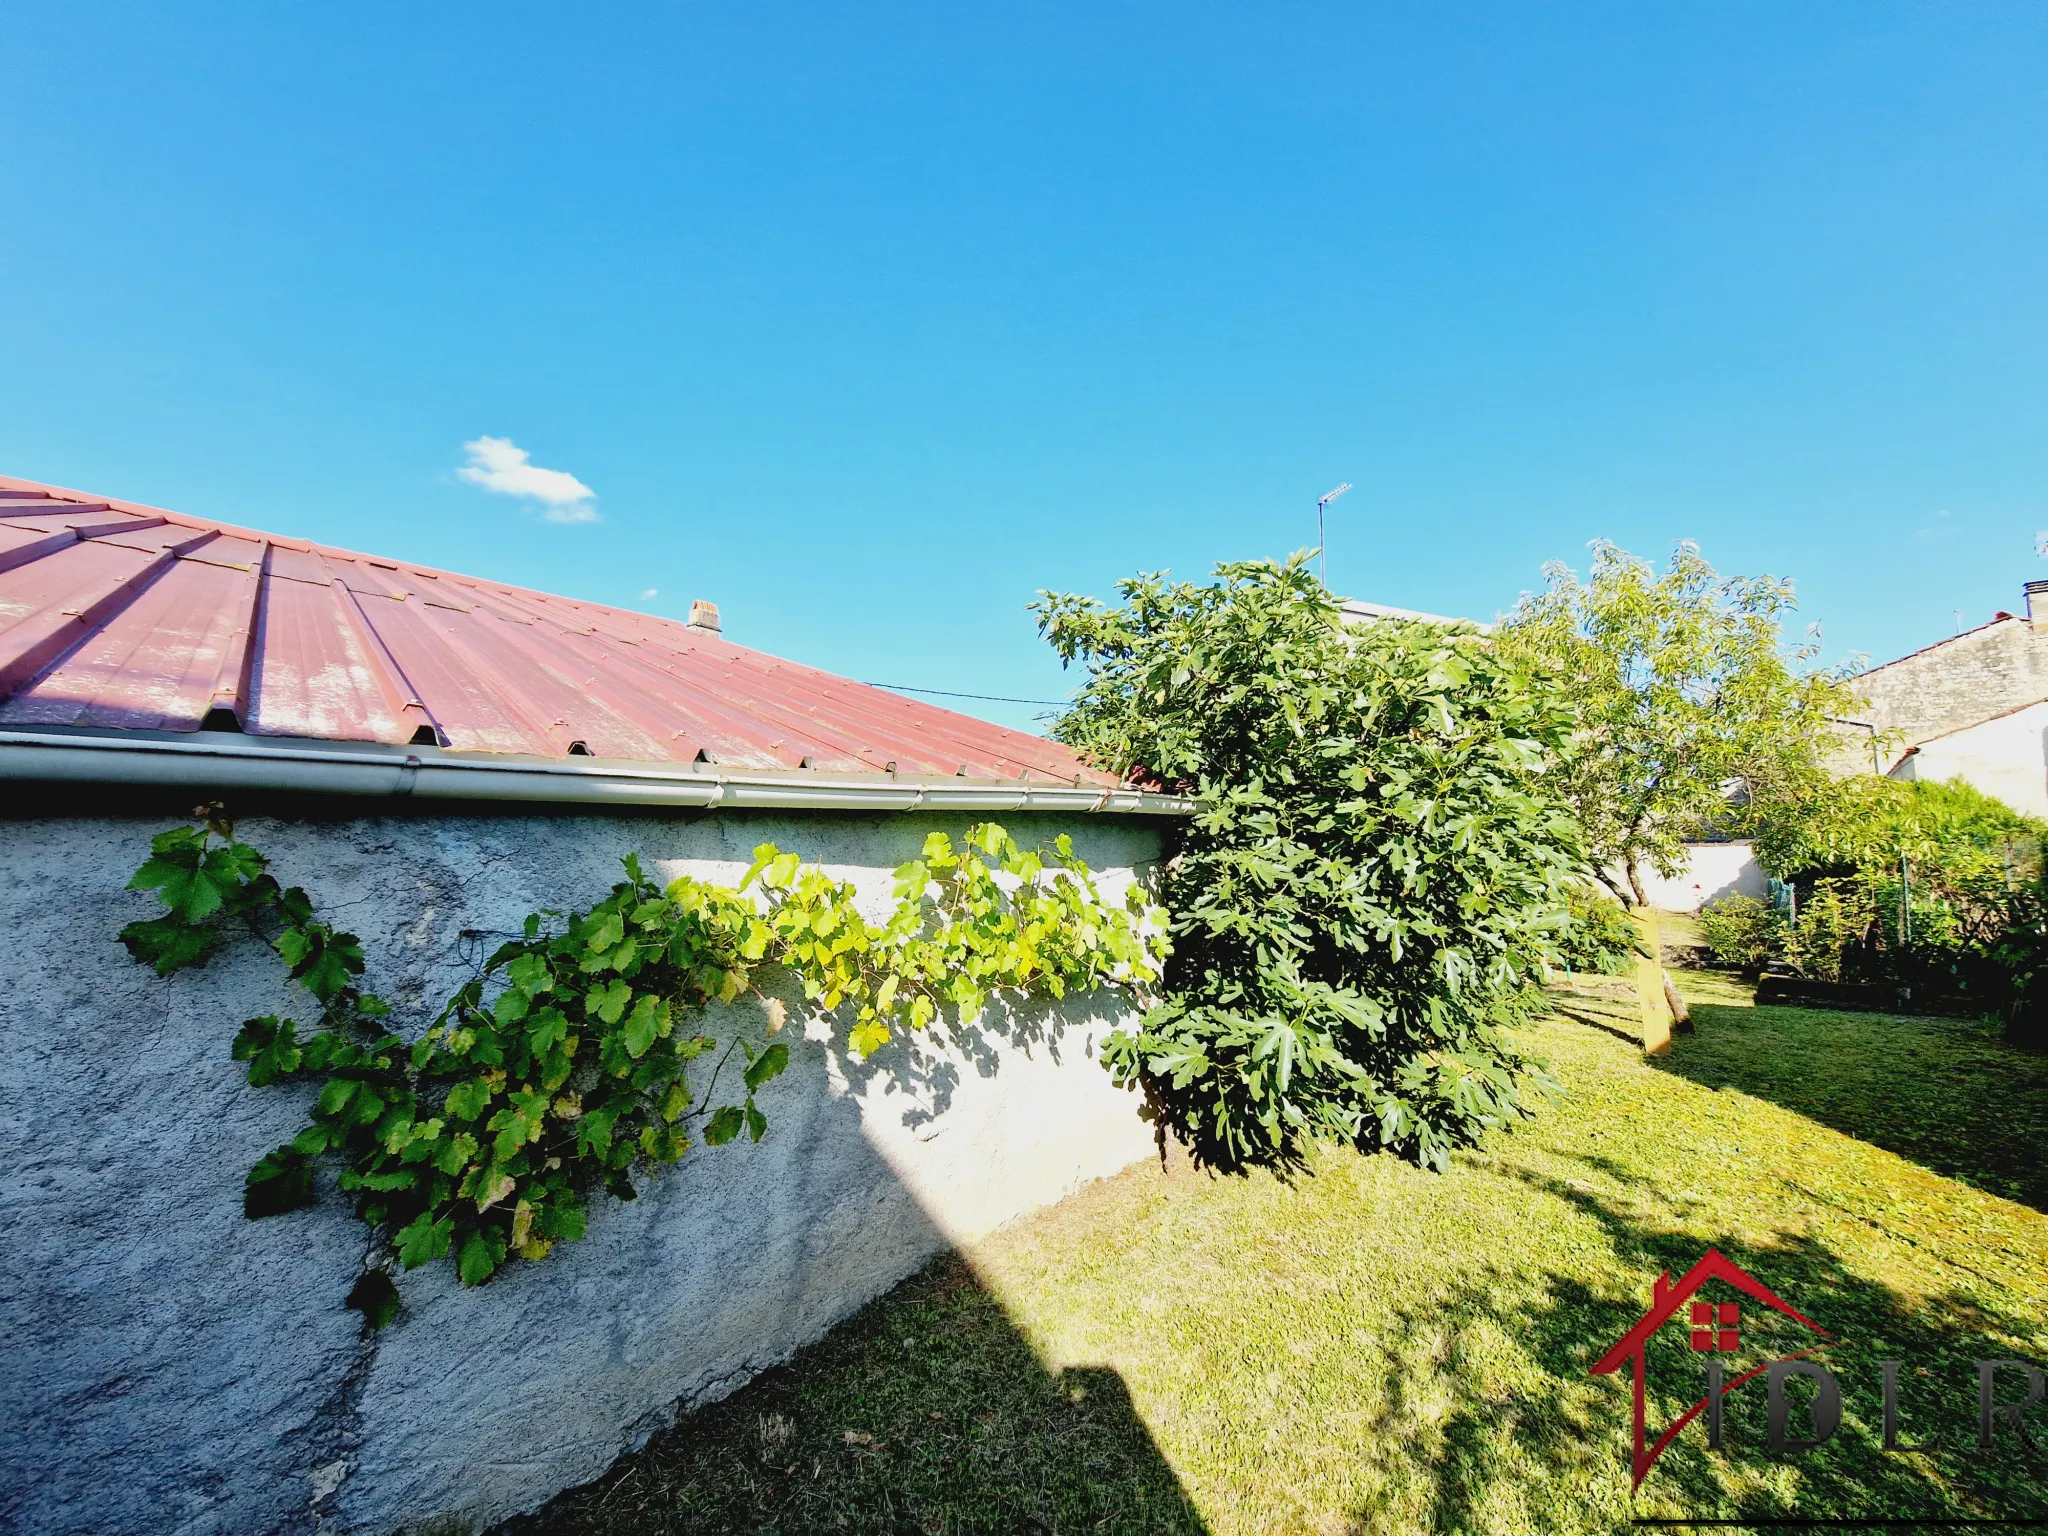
(1650, 984)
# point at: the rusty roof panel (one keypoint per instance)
(368, 577)
(123, 616)
(18, 546)
(228, 549)
(472, 702)
(86, 524)
(314, 676)
(153, 666)
(49, 605)
(294, 564)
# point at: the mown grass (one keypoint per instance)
(1948, 1094)
(1368, 1347)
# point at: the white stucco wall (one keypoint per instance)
(1713, 870)
(172, 1367)
(2006, 757)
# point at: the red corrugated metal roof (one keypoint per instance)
(124, 617)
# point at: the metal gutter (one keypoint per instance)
(219, 760)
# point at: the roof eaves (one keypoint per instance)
(228, 762)
(1957, 730)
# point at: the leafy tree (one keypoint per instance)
(1378, 876)
(1933, 887)
(1685, 697)
(1869, 823)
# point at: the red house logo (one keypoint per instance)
(1715, 1328)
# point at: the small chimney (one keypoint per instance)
(704, 615)
(2037, 604)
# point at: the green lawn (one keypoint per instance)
(1368, 1347)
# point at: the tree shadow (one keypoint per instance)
(1592, 1020)
(1494, 1461)
(1947, 1094)
(923, 1066)
(926, 1412)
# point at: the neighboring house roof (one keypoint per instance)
(1963, 680)
(1358, 608)
(2002, 714)
(2000, 617)
(123, 624)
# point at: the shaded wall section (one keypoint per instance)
(174, 1367)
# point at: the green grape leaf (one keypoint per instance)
(167, 943)
(549, 1028)
(648, 1020)
(476, 1263)
(467, 1100)
(769, 1064)
(609, 1001)
(424, 1239)
(270, 1046)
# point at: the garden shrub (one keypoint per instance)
(1377, 879)
(1601, 937)
(1833, 923)
(1930, 887)
(1743, 932)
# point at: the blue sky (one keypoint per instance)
(867, 322)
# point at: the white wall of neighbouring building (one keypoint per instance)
(2006, 757)
(1713, 870)
(171, 1366)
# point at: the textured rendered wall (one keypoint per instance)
(1959, 682)
(171, 1367)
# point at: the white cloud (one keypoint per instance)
(501, 465)
(650, 592)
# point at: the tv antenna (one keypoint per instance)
(1322, 551)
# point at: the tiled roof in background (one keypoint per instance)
(117, 616)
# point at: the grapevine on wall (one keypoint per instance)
(566, 1065)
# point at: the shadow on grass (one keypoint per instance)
(1579, 1014)
(1948, 1094)
(1493, 1459)
(927, 1412)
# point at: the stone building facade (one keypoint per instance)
(1973, 708)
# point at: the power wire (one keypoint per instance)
(947, 693)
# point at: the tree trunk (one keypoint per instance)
(1681, 1016)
